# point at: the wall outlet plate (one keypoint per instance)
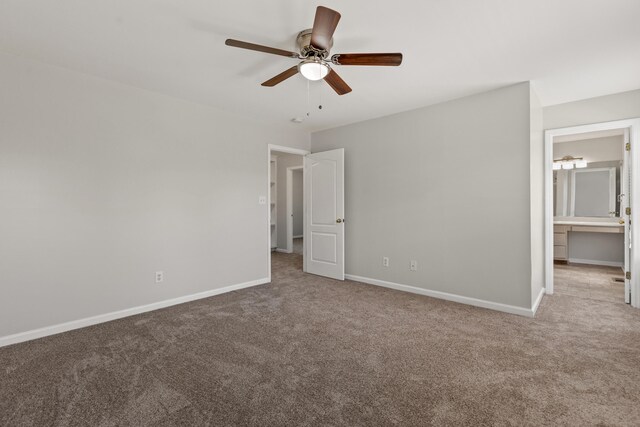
(385, 261)
(414, 265)
(262, 200)
(159, 276)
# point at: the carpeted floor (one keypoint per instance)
(589, 281)
(297, 245)
(311, 351)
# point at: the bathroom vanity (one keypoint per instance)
(562, 228)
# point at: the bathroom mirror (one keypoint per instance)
(591, 192)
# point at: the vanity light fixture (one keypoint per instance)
(569, 162)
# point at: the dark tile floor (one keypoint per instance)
(589, 281)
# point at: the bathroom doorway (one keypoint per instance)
(589, 244)
(588, 211)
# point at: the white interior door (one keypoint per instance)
(324, 219)
(625, 210)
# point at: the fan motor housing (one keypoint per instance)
(303, 41)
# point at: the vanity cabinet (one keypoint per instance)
(560, 242)
(561, 235)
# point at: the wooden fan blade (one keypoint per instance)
(384, 59)
(281, 77)
(324, 25)
(260, 48)
(336, 82)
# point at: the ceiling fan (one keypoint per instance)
(314, 45)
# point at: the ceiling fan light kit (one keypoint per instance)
(314, 45)
(314, 69)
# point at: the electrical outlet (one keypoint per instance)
(414, 265)
(262, 200)
(385, 261)
(159, 276)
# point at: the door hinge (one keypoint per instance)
(627, 146)
(628, 275)
(627, 211)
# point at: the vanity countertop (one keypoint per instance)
(590, 223)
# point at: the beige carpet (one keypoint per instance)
(297, 245)
(589, 281)
(312, 351)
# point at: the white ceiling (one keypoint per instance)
(570, 49)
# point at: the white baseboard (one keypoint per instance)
(284, 251)
(527, 312)
(101, 318)
(536, 303)
(596, 262)
(298, 237)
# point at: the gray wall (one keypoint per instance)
(537, 194)
(103, 184)
(625, 105)
(405, 197)
(596, 247)
(298, 203)
(284, 161)
(592, 150)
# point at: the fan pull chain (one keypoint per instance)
(308, 99)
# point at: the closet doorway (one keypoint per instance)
(284, 162)
(295, 210)
(322, 211)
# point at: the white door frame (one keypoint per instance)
(270, 149)
(634, 138)
(289, 211)
(625, 183)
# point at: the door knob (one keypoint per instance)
(338, 220)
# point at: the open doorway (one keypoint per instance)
(589, 192)
(323, 250)
(588, 227)
(295, 210)
(285, 206)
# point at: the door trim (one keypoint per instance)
(625, 182)
(289, 210)
(267, 227)
(634, 138)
